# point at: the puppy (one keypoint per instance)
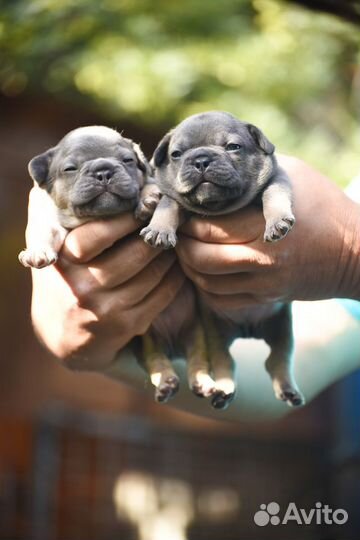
(212, 164)
(94, 173)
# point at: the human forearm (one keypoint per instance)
(101, 295)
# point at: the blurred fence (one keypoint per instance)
(101, 477)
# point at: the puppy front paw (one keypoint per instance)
(278, 229)
(162, 238)
(38, 258)
(147, 205)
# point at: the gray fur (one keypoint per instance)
(213, 164)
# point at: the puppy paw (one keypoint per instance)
(222, 400)
(167, 389)
(224, 394)
(163, 238)
(276, 230)
(289, 394)
(147, 206)
(203, 386)
(38, 258)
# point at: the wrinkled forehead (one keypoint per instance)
(92, 142)
(209, 129)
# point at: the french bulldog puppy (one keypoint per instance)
(94, 173)
(212, 164)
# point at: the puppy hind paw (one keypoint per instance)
(290, 395)
(37, 259)
(222, 400)
(165, 239)
(277, 230)
(224, 393)
(167, 389)
(203, 386)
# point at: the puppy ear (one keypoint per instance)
(161, 150)
(142, 162)
(260, 139)
(39, 166)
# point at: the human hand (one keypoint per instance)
(107, 287)
(233, 267)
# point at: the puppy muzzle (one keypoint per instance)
(206, 166)
(102, 177)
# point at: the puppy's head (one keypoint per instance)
(213, 163)
(92, 172)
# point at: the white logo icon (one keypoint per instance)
(267, 514)
(320, 515)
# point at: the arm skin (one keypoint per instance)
(90, 305)
(318, 259)
(107, 287)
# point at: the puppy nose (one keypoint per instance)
(202, 163)
(104, 175)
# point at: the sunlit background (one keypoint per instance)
(293, 73)
(83, 458)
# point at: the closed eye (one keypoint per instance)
(176, 154)
(128, 160)
(232, 147)
(70, 168)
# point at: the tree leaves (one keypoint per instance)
(288, 70)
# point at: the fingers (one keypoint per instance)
(121, 263)
(85, 286)
(136, 289)
(89, 240)
(242, 282)
(222, 258)
(229, 302)
(240, 227)
(159, 298)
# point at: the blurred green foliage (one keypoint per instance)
(293, 72)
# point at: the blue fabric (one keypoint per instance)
(352, 306)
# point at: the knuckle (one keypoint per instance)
(137, 322)
(207, 231)
(73, 349)
(205, 282)
(75, 250)
(139, 250)
(143, 325)
(159, 268)
(83, 291)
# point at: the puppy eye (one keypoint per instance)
(231, 147)
(128, 160)
(70, 168)
(176, 154)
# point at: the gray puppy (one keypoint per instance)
(212, 164)
(93, 172)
